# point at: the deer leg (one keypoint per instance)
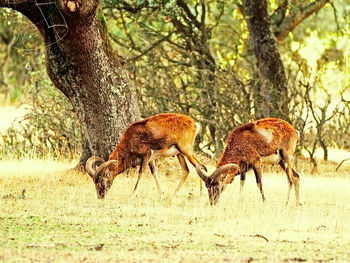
(296, 181)
(241, 187)
(200, 186)
(257, 172)
(144, 162)
(155, 175)
(290, 182)
(293, 178)
(194, 161)
(190, 156)
(185, 171)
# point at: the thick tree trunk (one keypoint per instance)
(288, 15)
(86, 70)
(273, 90)
(82, 64)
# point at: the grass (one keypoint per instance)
(59, 218)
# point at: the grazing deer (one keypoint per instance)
(267, 140)
(166, 134)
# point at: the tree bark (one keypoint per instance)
(81, 63)
(273, 90)
(288, 15)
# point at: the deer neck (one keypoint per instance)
(123, 158)
(228, 158)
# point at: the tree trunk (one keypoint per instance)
(273, 89)
(81, 63)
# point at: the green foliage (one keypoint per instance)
(205, 68)
(49, 128)
(173, 52)
(101, 16)
(20, 48)
(191, 57)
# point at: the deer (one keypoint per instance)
(269, 140)
(162, 135)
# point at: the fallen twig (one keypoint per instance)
(261, 236)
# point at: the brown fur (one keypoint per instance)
(246, 147)
(152, 138)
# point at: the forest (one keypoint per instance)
(74, 74)
(206, 69)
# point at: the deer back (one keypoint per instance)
(264, 137)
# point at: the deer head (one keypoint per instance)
(215, 183)
(102, 175)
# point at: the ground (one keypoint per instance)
(59, 219)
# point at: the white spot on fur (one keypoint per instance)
(267, 134)
(271, 159)
(171, 151)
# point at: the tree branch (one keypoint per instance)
(52, 16)
(29, 8)
(292, 20)
(78, 8)
(335, 15)
(151, 47)
(279, 14)
(189, 14)
(123, 5)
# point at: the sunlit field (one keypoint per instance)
(51, 214)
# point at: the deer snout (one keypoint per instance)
(214, 194)
(101, 193)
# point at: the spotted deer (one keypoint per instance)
(163, 135)
(269, 140)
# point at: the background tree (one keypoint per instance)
(195, 57)
(178, 36)
(13, 67)
(81, 64)
(273, 90)
(266, 31)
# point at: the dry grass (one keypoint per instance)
(60, 220)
